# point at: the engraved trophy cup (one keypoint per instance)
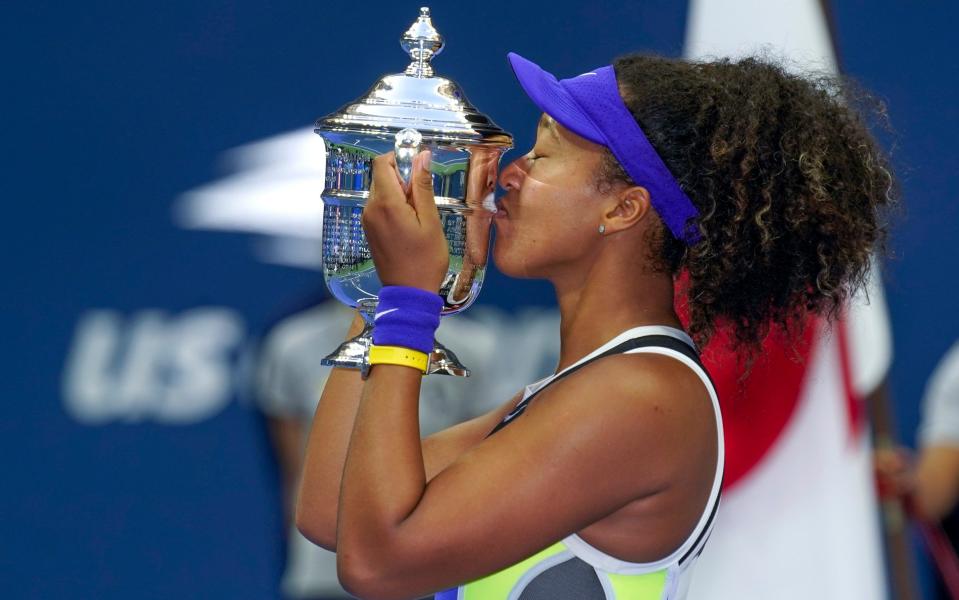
(407, 112)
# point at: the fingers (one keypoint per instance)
(389, 190)
(386, 182)
(895, 474)
(421, 183)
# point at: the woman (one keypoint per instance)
(763, 187)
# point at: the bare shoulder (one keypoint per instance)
(640, 406)
(655, 375)
(641, 382)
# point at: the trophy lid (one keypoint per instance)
(434, 106)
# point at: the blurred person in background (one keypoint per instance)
(928, 480)
(289, 380)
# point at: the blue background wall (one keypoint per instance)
(113, 109)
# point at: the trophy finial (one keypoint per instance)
(422, 42)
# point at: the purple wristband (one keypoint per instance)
(406, 317)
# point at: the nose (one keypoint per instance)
(511, 178)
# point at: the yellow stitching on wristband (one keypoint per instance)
(397, 355)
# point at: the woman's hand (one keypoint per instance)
(403, 227)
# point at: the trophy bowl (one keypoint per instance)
(408, 112)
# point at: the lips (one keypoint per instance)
(501, 208)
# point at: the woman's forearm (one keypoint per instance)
(325, 454)
(384, 477)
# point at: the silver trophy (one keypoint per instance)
(408, 112)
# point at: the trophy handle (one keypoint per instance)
(405, 148)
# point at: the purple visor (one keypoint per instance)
(590, 106)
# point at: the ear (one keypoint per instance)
(627, 208)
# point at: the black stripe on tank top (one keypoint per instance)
(700, 542)
(645, 341)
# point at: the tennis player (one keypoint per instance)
(601, 481)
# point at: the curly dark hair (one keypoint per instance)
(791, 186)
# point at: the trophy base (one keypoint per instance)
(444, 362)
(354, 354)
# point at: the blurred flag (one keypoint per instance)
(800, 517)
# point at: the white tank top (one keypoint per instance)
(676, 568)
